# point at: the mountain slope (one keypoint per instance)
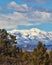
(29, 38)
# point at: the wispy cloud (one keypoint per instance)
(17, 7)
(1, 9)
(13, 20)
(41, 9)
(41, 17)
(25, 8)
(16, 18)
(39, 1)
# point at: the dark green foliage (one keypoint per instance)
(12, 55)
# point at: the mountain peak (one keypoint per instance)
(28, 38)
(35, 29)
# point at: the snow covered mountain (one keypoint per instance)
(29, 38)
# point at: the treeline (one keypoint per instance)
(12, 55)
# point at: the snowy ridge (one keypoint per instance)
(28, 38)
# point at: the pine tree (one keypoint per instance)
(41, 57)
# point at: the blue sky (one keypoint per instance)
(26, 14)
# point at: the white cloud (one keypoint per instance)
(16, 19)
(36, 16)
(41, 17)
(17, 7)
(13, 20)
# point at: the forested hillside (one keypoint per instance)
(12, 55)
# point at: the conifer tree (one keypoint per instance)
(41, 57)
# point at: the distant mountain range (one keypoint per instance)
(28, 39)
